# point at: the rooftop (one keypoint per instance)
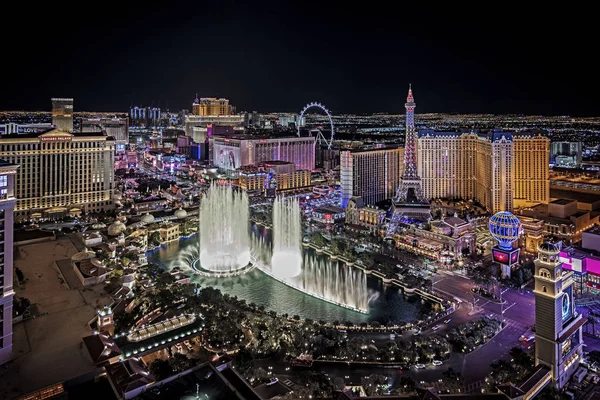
(455, 221)
(562, 201)
(588, 198)
(329, 209)
(128, 375)
(50, 132)
(371, 149)
(262, 137)
(160, 340)
(4, 163)
(277, 162)
(594, 230)
(204, 381)
(22, 235)
(101, 347)
(534, 378)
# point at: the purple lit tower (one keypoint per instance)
(410, 186)
(409, 201)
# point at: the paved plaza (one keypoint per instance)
(48, 349)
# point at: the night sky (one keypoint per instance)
(278, 56)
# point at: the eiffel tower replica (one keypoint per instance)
(409, 201)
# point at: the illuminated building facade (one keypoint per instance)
(369, 217)
(558, 326)
(62, 114)
(531, 179)
(118, 128)
(566, 154)
(146, 114)
(563, 219)
(481, 166)
(276, 175)
(232, 152)
(445, 240)
(211, 106)
(201, 126)
(371, 174)
(7, 204)
(533, 233)
(506, 229)
(61, 173)
(409, 200)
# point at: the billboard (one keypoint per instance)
(226, 156)
(567, 304)
(505, 257)
(500, 256)
(514, 257)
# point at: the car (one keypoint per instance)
(448, 321)
(420, 366)
(435, 328)
(437, 363)
(273, 381)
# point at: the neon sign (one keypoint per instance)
(56, 139)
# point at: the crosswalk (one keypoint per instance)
(289, 384)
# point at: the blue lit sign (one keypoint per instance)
(567, 304)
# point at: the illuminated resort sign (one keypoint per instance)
(56, 138)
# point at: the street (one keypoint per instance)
(519, 314)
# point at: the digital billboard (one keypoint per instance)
(500, 256)
(226, 156)
(567, 304)
(505, 257)
(514, 257)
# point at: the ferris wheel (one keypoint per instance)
(320, 137)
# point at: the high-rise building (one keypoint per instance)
(145, 114)
(207, 125)
(232, 152)
(116, 127)
(409, 201)
(276, 175)
(211, 106)
(62, 114)
(531, 168)
(558, 326)
(7, 204)
(371, 174)
(61, 173)
(566, 154)
(499, 169)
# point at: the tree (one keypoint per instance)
(591, 322)
(517, 277)
(164, 280)
(317, 239)
(406, 384)
(19, 274)
(594, 356)
(161, 369)
(181, 362)
(154, 238)
(527, 274)
(244, 360)
(521, 358)
(20, 305)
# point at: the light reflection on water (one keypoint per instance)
(387, 303)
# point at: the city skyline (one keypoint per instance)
(176, 220)
(278, 57)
